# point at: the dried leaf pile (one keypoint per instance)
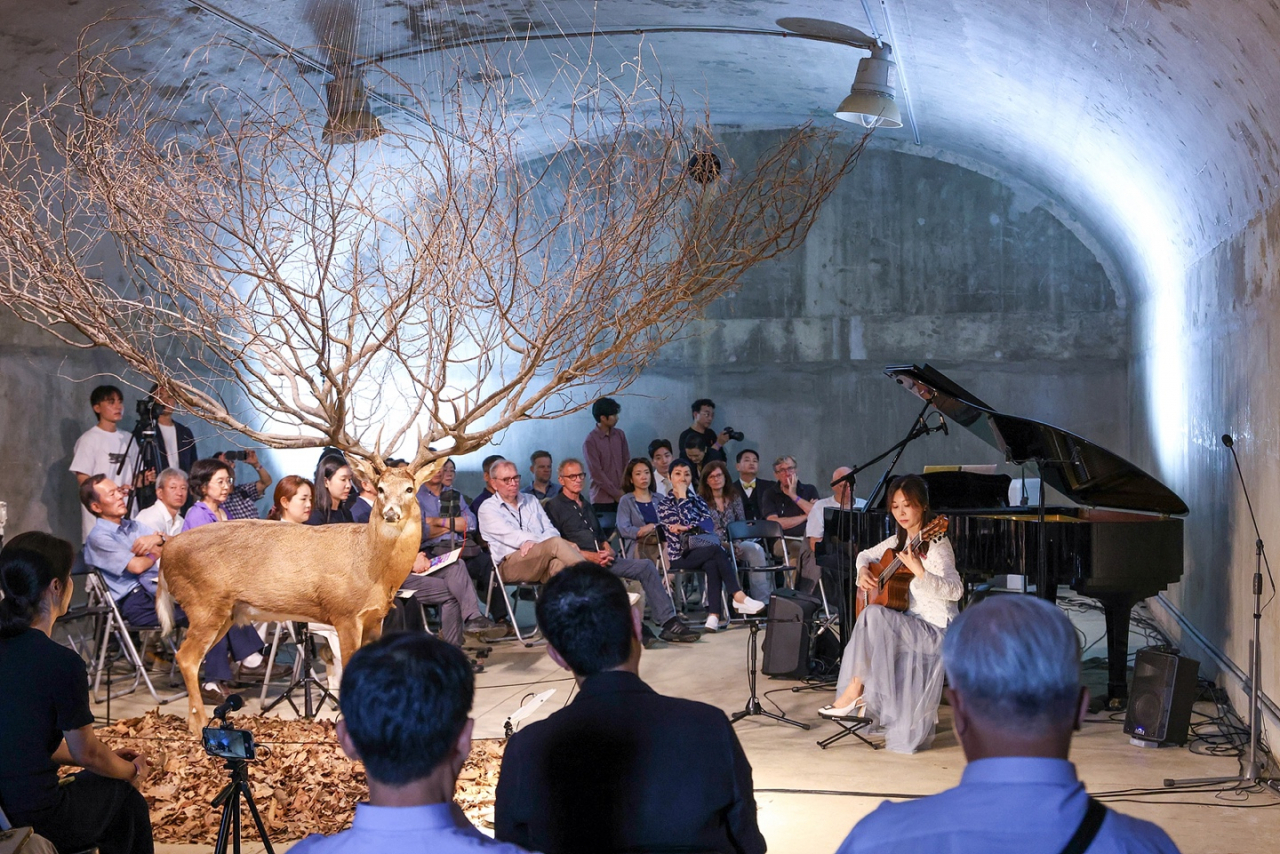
(301, 781)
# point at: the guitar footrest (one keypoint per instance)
(849, 726)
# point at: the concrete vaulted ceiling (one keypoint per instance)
(1151, 120)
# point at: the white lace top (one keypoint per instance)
(935, 595)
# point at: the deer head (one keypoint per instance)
(396, 487)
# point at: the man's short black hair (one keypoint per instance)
(537, 455)
(659, 443)
(405, 699)
(694, 439)
(746, 451)
(104, 392)
(489, 461)
(604, 407)
(89, 490)
(585, 614)
(701, 402)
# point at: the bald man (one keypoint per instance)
(836, 563)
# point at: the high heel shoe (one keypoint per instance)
(856, 709)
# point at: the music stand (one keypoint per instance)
(753, 706)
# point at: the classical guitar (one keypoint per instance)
(893, 579)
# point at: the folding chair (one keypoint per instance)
(758, 529)
(100, 596)
(497, 581)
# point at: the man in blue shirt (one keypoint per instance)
(125, 551)
(1013, 665)
(406, 703)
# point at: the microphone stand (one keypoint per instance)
(1252, 773)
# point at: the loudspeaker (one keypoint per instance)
(786, 643)
(1164, 688)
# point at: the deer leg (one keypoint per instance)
(199, 640)
(348, 639)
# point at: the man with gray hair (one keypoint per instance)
(165, 515)
(1013, 664)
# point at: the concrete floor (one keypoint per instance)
(809, 798)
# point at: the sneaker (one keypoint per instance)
(748, 606)
(676, 631)
(713, 623)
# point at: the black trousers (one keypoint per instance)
(95, 811)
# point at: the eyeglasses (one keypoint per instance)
(781, 469)
(578, 476)
(515, 478)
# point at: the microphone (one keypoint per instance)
(1227, 440)
(233, 703)
(942, 422)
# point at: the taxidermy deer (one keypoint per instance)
(242, 571)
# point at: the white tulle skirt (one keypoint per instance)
(898, 657)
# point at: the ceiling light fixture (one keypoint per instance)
(870, 102)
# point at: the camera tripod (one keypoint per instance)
(229, 800)
(305, 679)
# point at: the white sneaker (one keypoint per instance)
(748, 606)
(713, 623)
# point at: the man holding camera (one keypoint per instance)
(704, 412)
(242, 503)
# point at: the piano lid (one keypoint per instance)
(1079, 469)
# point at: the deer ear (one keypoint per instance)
(425, 473)
(363, 470)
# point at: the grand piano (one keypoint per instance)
(1120, 543)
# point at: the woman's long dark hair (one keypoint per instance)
(629, 485)
(321, 500)
(730, 488)
(913, 487)
(28, 565)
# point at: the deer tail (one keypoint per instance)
(164, 606)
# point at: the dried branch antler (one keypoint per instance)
(435, 286)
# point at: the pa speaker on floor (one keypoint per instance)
(1164, 688)
(787, 632)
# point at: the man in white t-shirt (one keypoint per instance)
(842, 499)
(165, 515)
(104, 448)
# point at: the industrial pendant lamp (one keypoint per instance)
(870, 102)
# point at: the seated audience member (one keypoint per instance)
(753, 487)
(841, 498)
(1013, 667)
(788, 504)
(489, 487)
(165, 515)
(363, 505)
(660, 455)
(45, 719)
(525, 546)
(333, 486)
(242, 503)
(210, 483)
(621, 768)
(606, 453)
(693, 453)
(454, 509)
(406, 701)
(105, 449)
(292, 500)
(540, 467)
(125, 551)
(724, 502)
(704, 412)
(638, 512)
(175, 444)
(576, 521)
(682, 513)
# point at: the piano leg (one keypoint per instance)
(1117, 608)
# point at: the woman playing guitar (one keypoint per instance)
(892, 667)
